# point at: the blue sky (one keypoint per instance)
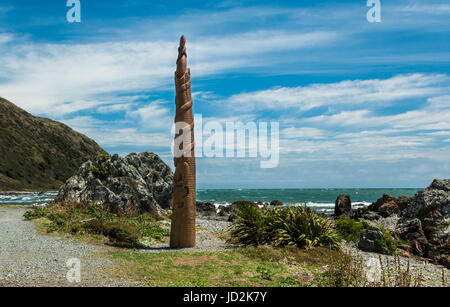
(359, 104)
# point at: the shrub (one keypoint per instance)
(251, 227)
(122, 234)
(122, 229)
(35, 213)
(350, 230)
(299, 226)
(388, 241)
(265, 273)
(101, 170)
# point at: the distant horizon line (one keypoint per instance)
(385, 188)
(228, 189)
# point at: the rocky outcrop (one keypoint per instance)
(343, 205)
(370, 240)
(425, 223)
(389, 208)
(206, 209)
(388, 205)
(141, 181)
(276, 203)
(383, 207)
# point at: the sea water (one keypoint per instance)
(320, 199)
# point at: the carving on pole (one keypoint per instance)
(182, 232)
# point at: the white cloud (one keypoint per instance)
(433, 9)
(423, 119)
(6, 38)
(154, 116)
(304, 132)
(58, 79)
(109, 135)
(349, 92)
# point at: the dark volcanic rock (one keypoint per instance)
(375, 206)
(233, 217)
(369, 238)
(388, 205)
(403, 202)
(224, 210)
(343, 205)
(364, 213)
(276, 203)
(206, 209)
(142, 181)
(389, 208)
(411, 231)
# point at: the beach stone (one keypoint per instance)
(343, 205)
(141, 181)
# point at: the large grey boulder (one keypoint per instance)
(142, 181)
(425, 223)
(432, 207)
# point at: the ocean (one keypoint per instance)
(320, 199)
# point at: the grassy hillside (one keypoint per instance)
(38, 153)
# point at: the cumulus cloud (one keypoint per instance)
(58, 79)
(348, 92)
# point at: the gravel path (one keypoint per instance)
(208, 237)
(30, 259)
(432, 273)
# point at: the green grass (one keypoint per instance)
(96, 223)
(252, 266)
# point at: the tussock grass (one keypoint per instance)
(122, 229)
(297, 226)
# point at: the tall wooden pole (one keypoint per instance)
(184, 196)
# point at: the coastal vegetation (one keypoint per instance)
(307, 262)
(350, 229)
(101, 170)
(263, 266)
(251, 266)
(98, 223)
(267, 245)
(299, 226)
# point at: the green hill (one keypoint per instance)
(38, 153)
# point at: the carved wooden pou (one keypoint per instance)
(184, 195)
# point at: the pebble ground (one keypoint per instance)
(30, 259)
